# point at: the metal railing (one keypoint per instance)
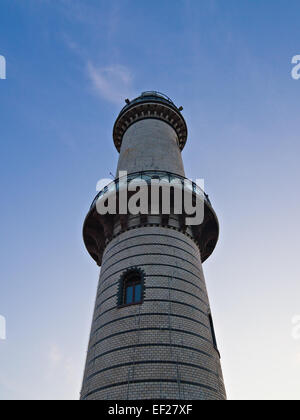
(158, 94)
(148, 176)
(153, 95)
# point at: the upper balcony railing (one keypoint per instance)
(158, 94)
(150, 95)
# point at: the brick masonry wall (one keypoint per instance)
(162, 348)
(150, 145)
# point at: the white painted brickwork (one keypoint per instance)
(150, 145)
(178, 339)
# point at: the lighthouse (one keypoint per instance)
(152, 334)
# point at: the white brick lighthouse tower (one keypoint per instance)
(152, 334)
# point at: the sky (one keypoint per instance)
(69, 66)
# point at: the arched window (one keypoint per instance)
(131, 288)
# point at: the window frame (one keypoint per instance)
(133, 277)
(131, 282)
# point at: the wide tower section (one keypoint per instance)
(152, 334)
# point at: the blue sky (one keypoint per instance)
(70, 65)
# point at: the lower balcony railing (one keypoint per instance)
(148, 176)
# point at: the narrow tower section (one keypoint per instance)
(152, 333)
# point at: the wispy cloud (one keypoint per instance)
(79, 11)
(112, 83)
(55, 355)
(63, 367)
